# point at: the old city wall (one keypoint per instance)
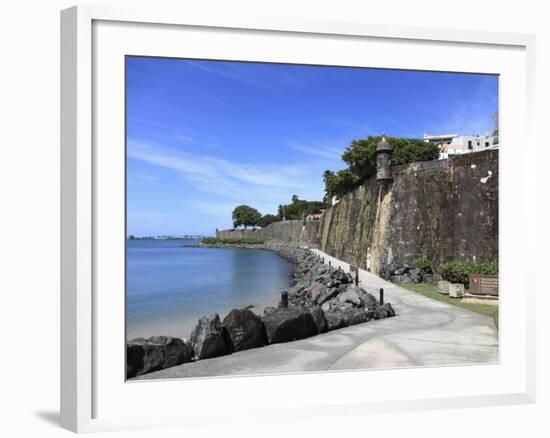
(445, 209)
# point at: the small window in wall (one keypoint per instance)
(470, 144)
(486, 144)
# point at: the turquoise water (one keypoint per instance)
(168, 287)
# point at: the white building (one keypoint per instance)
(454, 144)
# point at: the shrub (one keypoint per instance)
(459, 272)
(424, 265)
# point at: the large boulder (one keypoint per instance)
(351, 295)
(415, 275)
(369, 301)
(333, 284)
(297, 289)
(385, 273)
(319, 318)
(316, 290)
(384, 311)
(334, 321)
(388, 270)
(327, 305)
(389, 310)
(323, 269)
(328, 294)
(341, 276)
(208, 338)
(343, 314)
(334, 311)
(156, 353)
(400, 271)
(245, 329)
(289, 324)
(401, 279)
(355, 315)
(176, 351)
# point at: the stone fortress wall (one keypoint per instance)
(444, 209)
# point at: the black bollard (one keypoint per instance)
(357, 277)
(284, 299)
(329, 262)
(381, 296)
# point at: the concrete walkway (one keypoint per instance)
(424, 332)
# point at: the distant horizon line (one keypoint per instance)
(167, 236)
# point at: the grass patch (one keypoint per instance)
(430, 291)
(244, 241)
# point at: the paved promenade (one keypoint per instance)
(424, 332)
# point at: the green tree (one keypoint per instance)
(360, 156)
(246, 216)
(339, 183)
(267, 219)
(280, 212)
(299, 208)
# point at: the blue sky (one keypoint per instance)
(206, 136)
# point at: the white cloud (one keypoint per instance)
(211, 208)
(221, 184)
(185, 138)
(320, 151)
(257, 74)
(144, 176)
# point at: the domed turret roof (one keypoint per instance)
(383, 145)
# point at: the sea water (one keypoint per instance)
(169, 286)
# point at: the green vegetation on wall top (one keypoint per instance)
(360, 157)
(298, 208)
(247, 216)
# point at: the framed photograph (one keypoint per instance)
(262, 206)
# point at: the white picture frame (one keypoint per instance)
(85, 233)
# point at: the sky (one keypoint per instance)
(206, 136)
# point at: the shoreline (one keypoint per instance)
(282, 249)
(427, 327)
(318, 299)
(266, 246)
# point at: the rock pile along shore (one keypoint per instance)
(403, 274)
(322, 299)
